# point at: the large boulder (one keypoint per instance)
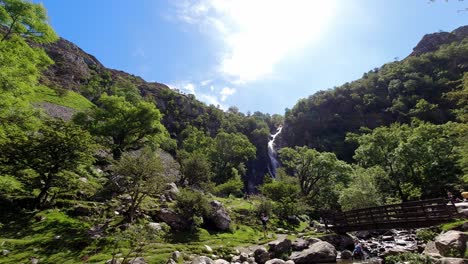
(451, 243)
(279, 248)
(341, 242)
(346, 254)
(275, 261)
(172, 219)
(300, 244)
(220, 217)
(320, 252)
(261, 255)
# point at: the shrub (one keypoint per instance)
(426, 235)
(278, 190)
(192, 206)
(232, 187)
(264, 206)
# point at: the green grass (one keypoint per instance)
(452, 225)
(27, 237)
(69, 99)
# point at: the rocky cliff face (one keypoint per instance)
(431, 42)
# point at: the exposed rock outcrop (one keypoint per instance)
(431, 42)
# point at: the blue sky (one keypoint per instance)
(259, 55)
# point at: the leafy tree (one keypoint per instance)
(362, 191)
(49, 158)
(127, 125)
(196, 140)
(230, 151)
(25, 19)
(195, 170)
(420, 160)
(314, 169)
(139, 174)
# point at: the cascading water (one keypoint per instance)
(272, 153)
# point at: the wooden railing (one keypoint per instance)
(406, 215)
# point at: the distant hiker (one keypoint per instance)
(264, 219)
(452, 198)
(357, 252)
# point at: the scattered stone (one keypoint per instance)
(202, 260)
(243, 257)
(138, 260)
(320, 252)
(155, 226)
(261, 255)
(34, 260)
(346, 254)
(208, 249)
(289, 262)
(363, 234)
(171, 261)
(221, 261)
(5, 252)
(176, 255)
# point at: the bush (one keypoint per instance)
(232, 187)
(278, 190)
(192, 206)
(286, 207)
(426, 235)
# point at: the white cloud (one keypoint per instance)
(226, 92)
(205, 82)
(258, 34)
(211, 99)
(190, 88)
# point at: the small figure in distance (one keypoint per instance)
(452, 198)
(357, 252)
(264, 219)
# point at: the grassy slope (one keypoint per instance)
(69, 99)
(26, 237)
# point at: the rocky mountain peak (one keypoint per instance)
(431, 42)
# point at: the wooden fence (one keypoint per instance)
(406, 215)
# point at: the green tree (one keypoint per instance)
(127, 125)
(195, 170)
(420, 160)
(230, 151)
(139, 174)
(314, 169)
(25, 19)
(192, 206)
(362, 191)
(49, 158)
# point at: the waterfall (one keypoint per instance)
(272, 153)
